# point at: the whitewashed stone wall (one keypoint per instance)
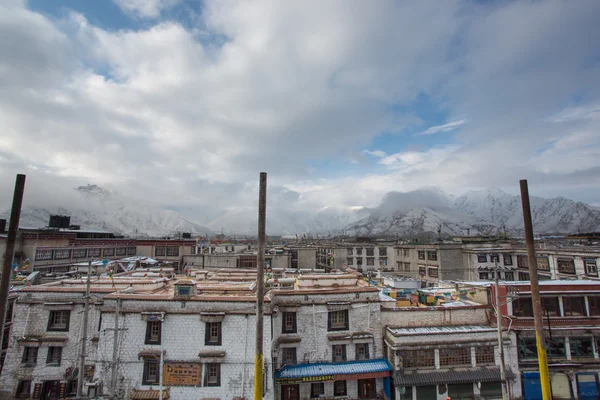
(31, 320)
(183, 339)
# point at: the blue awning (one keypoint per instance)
(328, 371)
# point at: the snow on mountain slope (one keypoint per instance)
(96, 208)
(558, 215)
(478, 212)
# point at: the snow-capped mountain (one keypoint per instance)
(487, 211)
(96, 208)
(557, 215)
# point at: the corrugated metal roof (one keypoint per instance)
(485, 374)
(432, 330)
(319, 369)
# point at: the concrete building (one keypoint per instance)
(12, 297)
(166, 250)
(44, 346)
(572, 331)
(327, 340)
(206, 331)
(233, 260)
(447, 351)
(431, 263)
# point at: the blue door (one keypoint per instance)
(532, 389)
(587, 386)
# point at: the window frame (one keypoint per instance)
(340, 388)
(289, 356)
(338, 353)
(370, 252)
(518, 309)
(568, 306)
(565, 266)
(286, 326)
(421, 254)
(590, 262)
(361, 351)
(207, 378)
(209, 329)
(579, 339)
(382, 251)
(455, 356)
(485, 355)
(418, 358)
(338, 326)
(507, 259)
(27, 358)
(482, 258)
(53, 327)
(152, 336)
(54, 359)
(149, 363)
(432, 255)
(23, 389)
(317, 393)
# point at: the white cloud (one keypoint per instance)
(190, 123)
(449, 127)
(591, 111)
(145, 8)
(376, 153)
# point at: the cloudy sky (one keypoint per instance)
(184, 102)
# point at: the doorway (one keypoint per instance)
(366, 388)
(290, 392)
(50, 390)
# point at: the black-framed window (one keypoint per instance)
(359, 251)
(54, 356)
(432, 255)
(339, 388)
(522, 262)
(522, 307)
(151, 375)
(484, 276)
(495, 257)
(288, 356)
(213, 375)
(359, 261)
(565, 266)
(523, 276)
(153, 332)
(59, 320)
(317, 389)
(507, 259)
(550, 306)
(30, 354)
(160, 251)
(509, 276)
(350, 261)
(383, 252)
(421, 254)
(71, 390)
(338, 352)
(9, 311)
(581, 347)
(370, 261)
(213, 334)
(370, 252)
(555, 347)
(23, 389)
(337, 320)
(594, 302)
(484, 355)
(481, 258)
(543, 263)
(432, 272)
(407, 267)
(574, 306)
(349, 251)
(362, 351)
(172, 251)
(288, 321)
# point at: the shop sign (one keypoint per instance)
(304, 379)
(182, 374)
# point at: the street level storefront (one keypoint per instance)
(457, 383)
(367, 379)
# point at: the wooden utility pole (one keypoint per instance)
(535, 293)
(13, 228)
(86, 311)
(504, 382)
(260, 286)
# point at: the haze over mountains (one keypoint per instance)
(423, 211)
